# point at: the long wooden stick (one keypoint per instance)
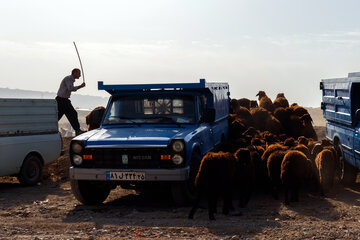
(82, 70)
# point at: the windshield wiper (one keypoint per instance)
(163, 118)
(117, 118)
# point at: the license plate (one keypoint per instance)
(125, 176)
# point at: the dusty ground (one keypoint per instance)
(49, 211)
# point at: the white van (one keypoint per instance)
(29, 137)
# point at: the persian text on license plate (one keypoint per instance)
(125, 176)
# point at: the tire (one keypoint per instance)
(31, 171)
(90, 193)
(350, 174)
(184, 193)
(346, 173)
(340, 164)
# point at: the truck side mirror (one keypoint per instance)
(357, 115)
(209, 115)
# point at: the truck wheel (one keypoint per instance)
(340, 164)
(89, 193)
(184, 192)
(346, 173)
(31, 171)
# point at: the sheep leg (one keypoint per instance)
(195, 206)
(275, 191)
(212, 202)
(286, 193)
(247, 197)
(227, 202)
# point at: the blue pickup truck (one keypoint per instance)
(341, 109)
(151, 134)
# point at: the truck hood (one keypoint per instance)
(134, 136)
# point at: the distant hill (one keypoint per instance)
(78, 101)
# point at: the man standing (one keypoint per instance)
(63, 102)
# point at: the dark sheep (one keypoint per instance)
(244, 102)
(308, 129)
(244, 176)
(233, 105)
(253, 104)
(325, 166)
(251, 131)
(93, 119)
(215, 178)
(265, 101)
(295, 169)
(237, 128)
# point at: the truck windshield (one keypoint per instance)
(160, 109)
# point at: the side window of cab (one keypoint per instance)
(201, 107)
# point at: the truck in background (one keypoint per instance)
(341, 109)
(29, 137)
(150, 134)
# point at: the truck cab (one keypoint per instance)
(150, 134)
(341, 109)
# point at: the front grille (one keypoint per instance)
(126, 158)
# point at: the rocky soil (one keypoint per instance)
(49, 211)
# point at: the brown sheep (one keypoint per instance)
(93, 119)
(298, 110)
(215, 178)
(295, 168)
(265, 101)
(280, 101)
(245, 115)
(274, 166)
(260, 115)
(263, 169)
(302, 148)
(308, 129)
(325, 166)
(291, 123)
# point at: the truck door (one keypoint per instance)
(207, 139)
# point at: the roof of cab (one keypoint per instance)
(117, 88)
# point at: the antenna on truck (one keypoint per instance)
(82, 70)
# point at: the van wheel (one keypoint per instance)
(184, 193)
(89, 193)
(31, 171)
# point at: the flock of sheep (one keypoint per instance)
(272, 146)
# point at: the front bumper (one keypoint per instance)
(99, 174)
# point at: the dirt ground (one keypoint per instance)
(50, 211)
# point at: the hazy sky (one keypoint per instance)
(276, 46)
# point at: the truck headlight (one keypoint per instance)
(77, 159)
(177, 159)
(178, 146)
(76, 147)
